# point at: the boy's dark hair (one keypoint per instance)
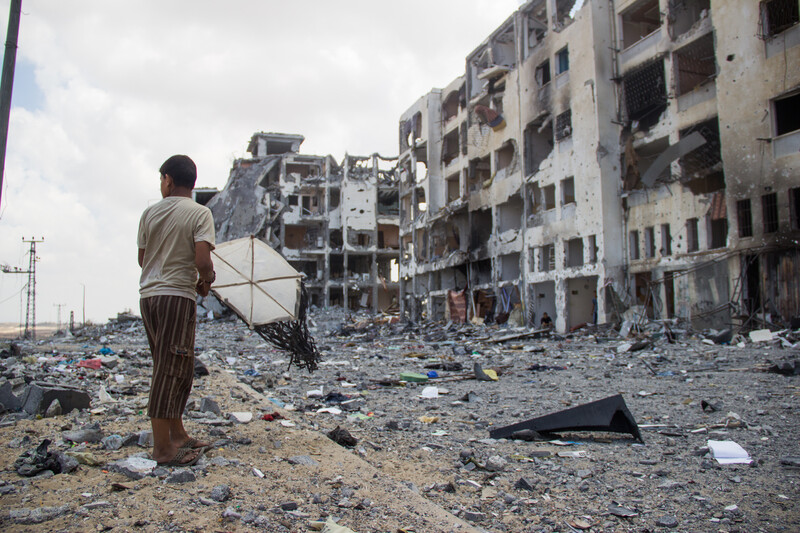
(182, 170)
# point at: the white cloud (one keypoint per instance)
(126, 84)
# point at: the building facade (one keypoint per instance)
(603, 154)
(337, 224)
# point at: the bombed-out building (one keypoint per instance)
(336, 223)
(600, 155)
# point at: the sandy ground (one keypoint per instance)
(408, 475)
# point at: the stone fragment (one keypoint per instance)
(37, 516)
(54, 409)
(133, 467)
(495, 463)
(241, 417)
(790, 460)
(221, 493)
(68, 464)
(667, 521)
(40, 395)
(208, 405)
(474, 516)
(524, 483)
(89, 434)
(97, 505)
(181, 475)
(230, 514)
(289, 506)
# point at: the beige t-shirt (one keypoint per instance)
(167, 232)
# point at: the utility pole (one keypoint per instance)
(58, 323)
(30, 310)
(7, 82)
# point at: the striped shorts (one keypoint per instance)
(170, 325)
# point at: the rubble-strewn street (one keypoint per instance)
(422, 459)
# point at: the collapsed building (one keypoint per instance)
(337, 224)
(597, 155)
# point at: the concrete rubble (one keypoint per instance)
(410, 460)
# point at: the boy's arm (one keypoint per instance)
(205, 267)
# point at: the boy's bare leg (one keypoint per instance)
(179, 436)
(164, 449)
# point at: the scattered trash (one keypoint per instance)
(761, 335)
(38, 460)
(342, 437)
(484, 375)
(413, 377)
(430, 392)
(728, 452)
(609, 414)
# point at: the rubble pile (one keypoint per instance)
(393, 431)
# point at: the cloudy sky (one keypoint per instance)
(105, 90)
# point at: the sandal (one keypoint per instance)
(194, 444)
(179, 456)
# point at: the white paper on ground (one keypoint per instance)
(727, 452)
(430, 392)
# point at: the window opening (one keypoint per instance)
(778, 16)
(535, 27)
(592, 248)
(646, 93)
(633, 244)
(649, 242)
(562, 60)
(549, 197)
(701, 169)
(538, 138)
(695, 64)
(574, 252)
(543, 73)
(640, 21)
(719, 233)
(692, 241)
(547, 260)
(745, 218)
(683, 14)
(769, 207)
(794, 207)
(787, 114)
(568, 191)
(564, 125)
(666, 240)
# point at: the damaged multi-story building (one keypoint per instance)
(337, 224)
(602, 154)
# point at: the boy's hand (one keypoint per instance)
(203, 287)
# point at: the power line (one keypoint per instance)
(30, 308)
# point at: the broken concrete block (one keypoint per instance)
(7, 397)
(91, 434)
(761, 335)
(37, 516)
(40, 395)
(133, 467)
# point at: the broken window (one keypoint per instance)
(505, 155)
(543, 73)
(450, 107)
(503, 47)
(562, 60)
(292, 199)
(701, 169)
(388, 202)
(666, 240)
(744, 216)
(638, 162)
(639, 21)
(481, 228)
(692, 240)
(509, 267)
(633, 245)
(336, 239)
(568, 191)
(573, 252)
(480, 170)
(538, 138)
(294, 237)
(564, 125)
(453, 187)
(549, 197)
(547, 259)
(683, 14)
(649, 242)
(695, 64)
(645, 93)
(718, 237)
(592, 249)
(794, 207)
(787, 114)
(535, 26)
(388, 236)
(769, 208)
(509, 214)
(450, 147)
(421, 205)
(778, 16)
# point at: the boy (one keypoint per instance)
(176, 236)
